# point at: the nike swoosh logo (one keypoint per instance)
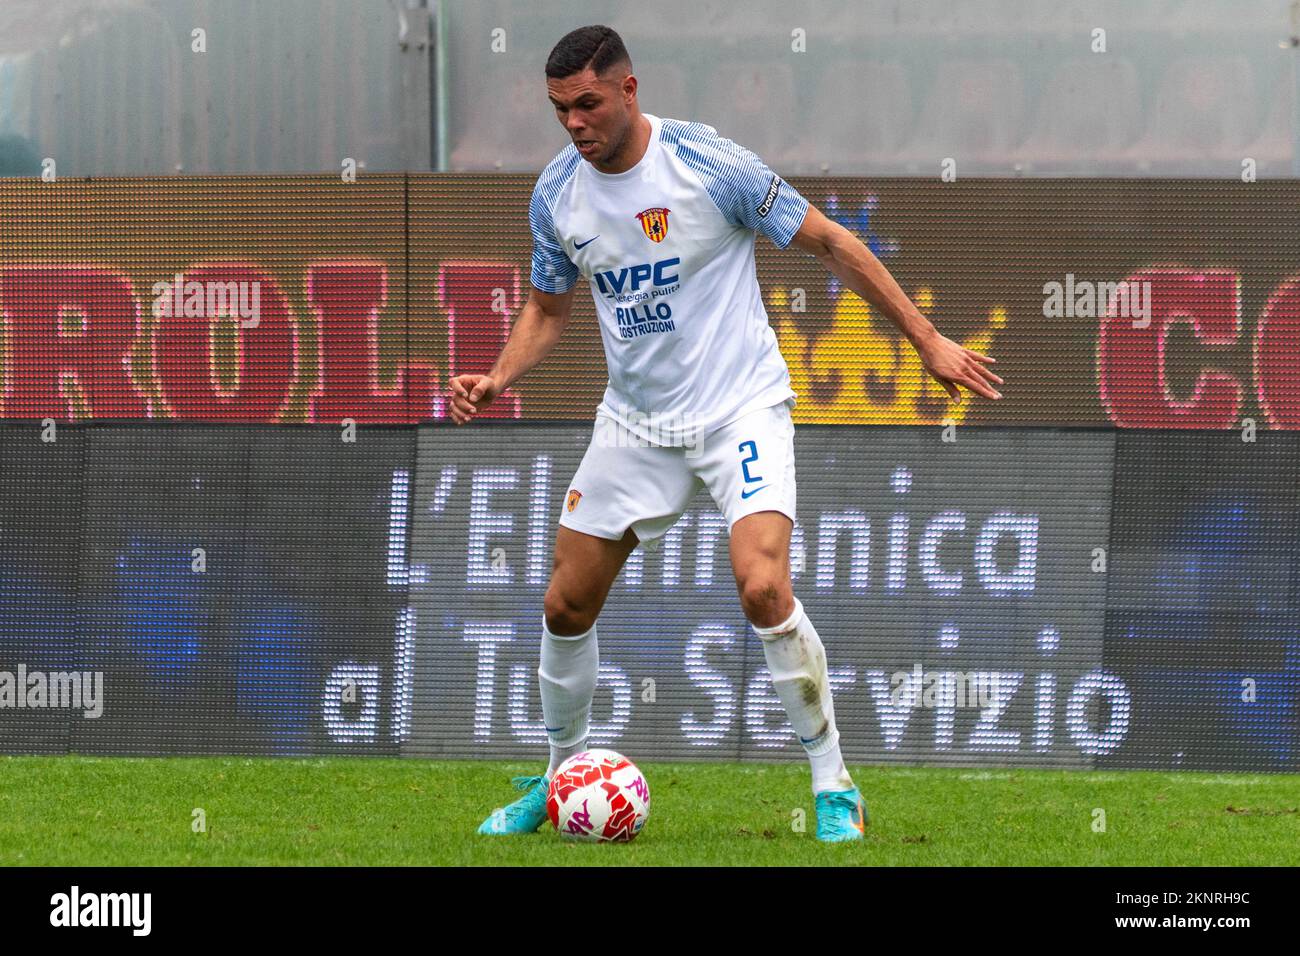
(579, 245)
(752, 491)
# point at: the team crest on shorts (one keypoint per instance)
(654, 222)
(574, 497)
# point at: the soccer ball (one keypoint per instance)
(598, 796)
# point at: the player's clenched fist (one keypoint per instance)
(469, 393)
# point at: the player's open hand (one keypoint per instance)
(469, 393)
(951, 365)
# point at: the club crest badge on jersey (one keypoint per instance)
(654, 222)
(574, 497)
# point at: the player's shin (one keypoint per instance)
(797, 659)
(567, 677)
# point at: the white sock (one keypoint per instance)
(797, 659)
(567, 677)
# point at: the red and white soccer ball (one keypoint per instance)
(598, 796)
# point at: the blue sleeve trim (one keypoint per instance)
(552, 269)
(746, 191)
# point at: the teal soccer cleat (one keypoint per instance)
(525, 815)
(841, 816)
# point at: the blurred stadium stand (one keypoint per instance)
(885, 87)
(1089, 102)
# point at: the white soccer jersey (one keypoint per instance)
(668, 247)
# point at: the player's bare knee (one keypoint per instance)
(566, 617)
(766, 600)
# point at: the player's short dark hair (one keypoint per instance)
(599, 47)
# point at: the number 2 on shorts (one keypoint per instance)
(744, 462)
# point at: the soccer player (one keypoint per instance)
(660, 216)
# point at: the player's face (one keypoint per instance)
(594, 111)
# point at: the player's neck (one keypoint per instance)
(633, 150)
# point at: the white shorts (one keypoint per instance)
(625, 482)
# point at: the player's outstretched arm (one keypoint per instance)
(854, 264)
(538, 327)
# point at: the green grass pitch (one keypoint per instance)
(110, 811)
